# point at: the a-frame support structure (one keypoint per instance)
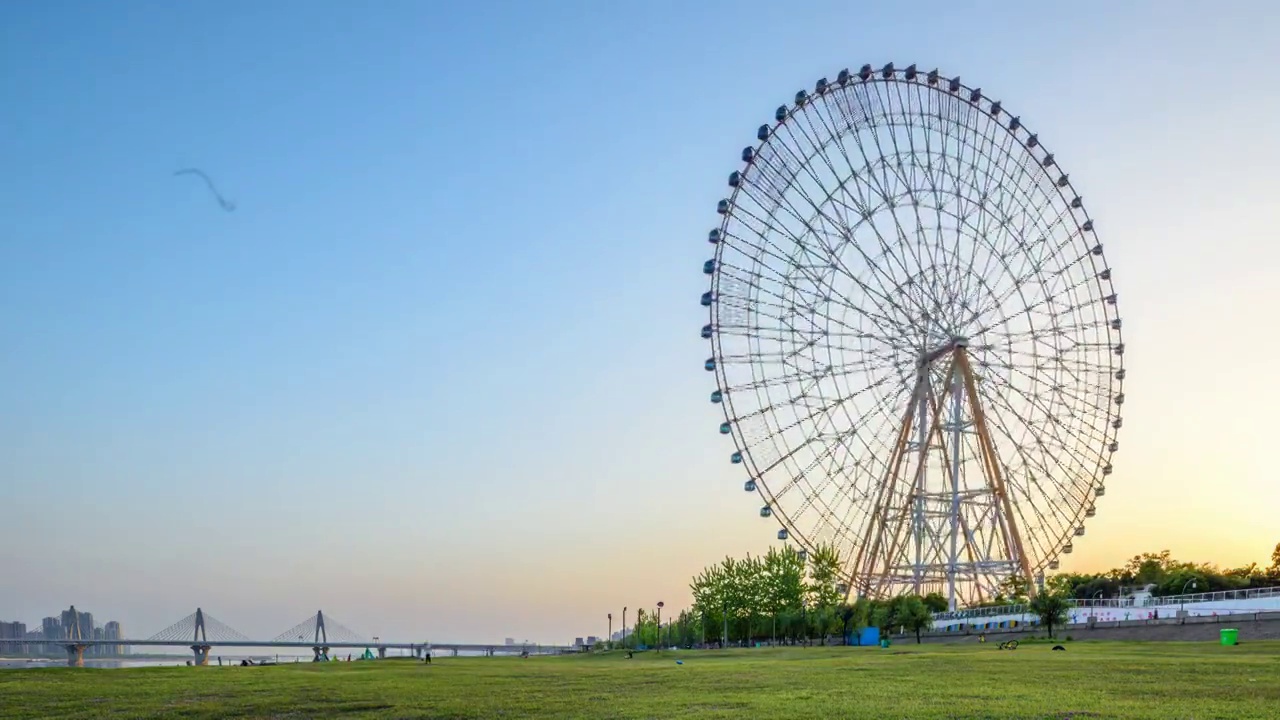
(943, 519)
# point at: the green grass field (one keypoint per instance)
(1089, 680)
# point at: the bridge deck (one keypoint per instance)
(461, 647)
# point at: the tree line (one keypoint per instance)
(782, 597)
(1168, 575)
(791, 597)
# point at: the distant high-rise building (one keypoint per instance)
(78, 625)
(13, 631)
(511, 641)
(111, 631)
(51, 629)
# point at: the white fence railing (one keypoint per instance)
(1151, 601)
(1248, 594)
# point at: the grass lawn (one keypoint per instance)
(1090, 680)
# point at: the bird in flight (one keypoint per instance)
(224, 203)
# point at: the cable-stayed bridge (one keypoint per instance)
(202, 632)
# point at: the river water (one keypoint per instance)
(112, 663)
(181, 660)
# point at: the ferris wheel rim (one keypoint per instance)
(1026, 142)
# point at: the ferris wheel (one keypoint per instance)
(914, 335)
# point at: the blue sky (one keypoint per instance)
(439, 372)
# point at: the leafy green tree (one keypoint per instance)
(824, 622)
(710, 599)
(862, 608)
(791, 625)
(784, 589)
(751, 583)
(1015, 589)
(912, 615)
(852, 617)
(935, 602)
(1147, 568)
(1051, 608)
(1069, 584)
(1188, 579)
(882, 617)
(824, 577)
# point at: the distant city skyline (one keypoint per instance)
(439, 372)
(69, 624)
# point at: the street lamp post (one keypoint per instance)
(624, 626)
(610, 635)
(804, 621)
(658, 639)
(1093, 609)
(724, 613)
(1182, 605)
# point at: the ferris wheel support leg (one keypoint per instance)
(971, 552)
(867, 551)
(901, 539)
(957, 421)
(922, 454)
(992, 463)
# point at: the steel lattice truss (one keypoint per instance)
(883, 217)
(320, 628)
(199, 627)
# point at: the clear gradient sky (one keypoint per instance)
(439, 373)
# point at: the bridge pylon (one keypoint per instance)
(75, 649)
(320, 631)
(199, 648)
(201, 631)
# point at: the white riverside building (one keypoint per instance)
(1140, 606)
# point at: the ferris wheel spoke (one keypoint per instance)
(864, 175)
(779, 308)
(756, 277)
(862, 206)
(878, 298)
(1039, 461)
(1032, 259)
(1029, 266)
(801, 475)
(881, 113)
(972, 206)
(1003, 403)
(888, 200)
(912, 194)
(994, 175)
(1047, 509)
(880, 180)
(1021, 508)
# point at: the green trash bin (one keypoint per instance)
(1229, 636)
(884, 642)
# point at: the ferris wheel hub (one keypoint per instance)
(928, 357)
